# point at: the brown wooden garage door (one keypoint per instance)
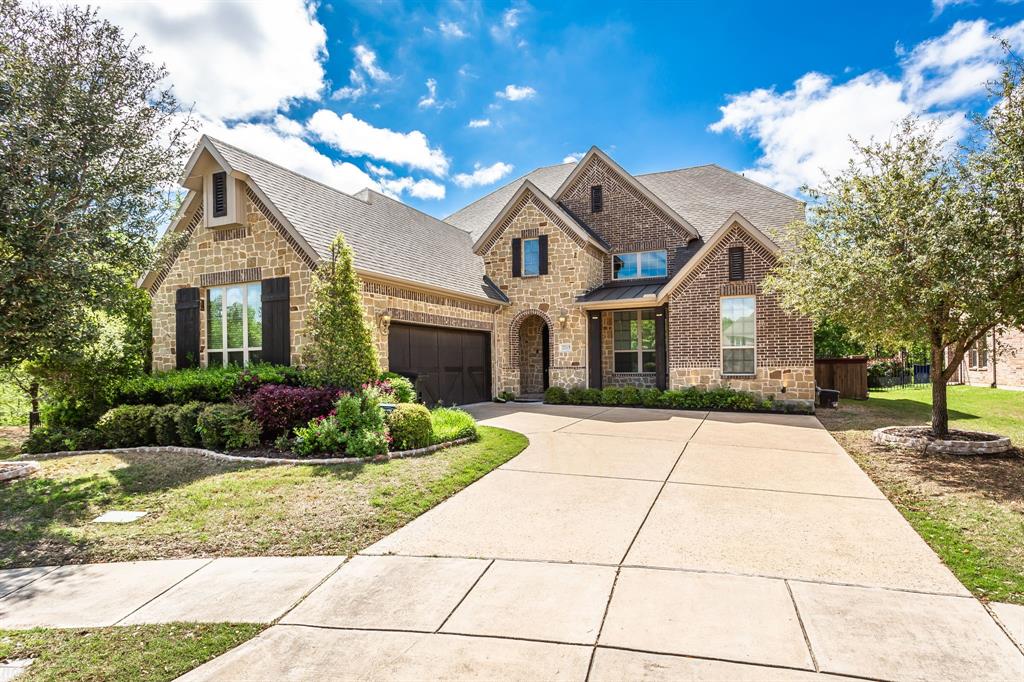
(452, 366)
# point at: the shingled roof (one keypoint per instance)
(705, 196)
(387, 237)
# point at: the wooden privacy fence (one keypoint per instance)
(849, 376)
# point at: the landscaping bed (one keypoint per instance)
(144, 653)
(970, 510)
(198, 506)
(691, 398)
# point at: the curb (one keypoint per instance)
(178, 450)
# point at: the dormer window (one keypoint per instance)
(596, 199)
(220, 194)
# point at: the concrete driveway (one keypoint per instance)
(628, 544)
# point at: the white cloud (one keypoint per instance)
(514, 93)
(273, 143)
(479, 122)
(233, 60)
(510, 20)
(382, 171)
(420, 189)
(483, 175)
(452, 30)
(807, 129)
(939, 6)
(573, 158)
(288, 126)
(359, 138)
(429, 100)
(364, 70)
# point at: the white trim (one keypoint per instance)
(225, 350)
(721, 341)
(735, 220)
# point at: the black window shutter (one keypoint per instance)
(186, 328)
(596, 199)
(735, 263)
(220, 194)
(517, 257)
(276, 326)
(594, 349)
(542, 250)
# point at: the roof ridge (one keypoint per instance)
(676, 170)
(731, 172)
(285, 168)
(416, 210)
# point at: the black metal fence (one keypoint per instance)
(888, 375)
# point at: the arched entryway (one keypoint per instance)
(534, 355)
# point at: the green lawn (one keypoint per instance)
(202, 507)
(969, 509)
(143, 653)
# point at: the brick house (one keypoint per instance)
(578, 274)
(996, 359)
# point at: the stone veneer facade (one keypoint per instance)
(573, 267)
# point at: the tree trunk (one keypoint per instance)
(940, 411)
(33, 415)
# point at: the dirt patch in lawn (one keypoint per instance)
(203, 507)
(970, 510)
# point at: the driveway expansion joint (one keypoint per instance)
(155, 597)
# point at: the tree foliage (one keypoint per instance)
(342, 352)
(912, 243)
(89, 140)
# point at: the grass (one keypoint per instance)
(10, 440)
(14, 404)
(450, 423)
(202, 507)
(970, 510)
(145, 653)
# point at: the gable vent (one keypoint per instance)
(735, 263)
(596, 199)
(220, 194)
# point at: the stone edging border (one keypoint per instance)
(178, 450)
(885, 436)
(21, 468)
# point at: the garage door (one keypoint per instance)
(452, 366)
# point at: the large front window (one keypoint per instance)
(634, 341)
(234, 325)
(640, 265)
(739, 320)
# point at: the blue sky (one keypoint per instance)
(384, 93)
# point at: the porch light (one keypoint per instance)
(562, 319)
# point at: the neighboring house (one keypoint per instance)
(573, 275)
(996, 359)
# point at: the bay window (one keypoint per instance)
(739, 322)
(634, 341)
(234, 325)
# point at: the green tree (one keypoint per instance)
(832, 340)
(88, 137)
(342, 351)
(903, 249)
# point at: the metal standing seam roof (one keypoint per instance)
(386, 236)
(616, 292)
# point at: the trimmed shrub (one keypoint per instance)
(450, 423)
(46, 439)
(188, 424)
(410, 426)
(228, 426)
(556, 395)
(575, 395)
(253, 377)
(650, 397)
(127, 426)
(630, 396)
(212, 385)
(165, 425)
(322, 435)
(592, 396)
(400, 387)
(611, 396)
(279, 409)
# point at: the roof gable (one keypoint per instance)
(530, 193)
(637, 189)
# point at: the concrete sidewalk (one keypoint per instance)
(621, 544)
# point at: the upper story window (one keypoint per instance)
(739, 324)
(977, 358)
(234, 325)
(596, 199)
(640, 264)
(634, 341)
(531, 257)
